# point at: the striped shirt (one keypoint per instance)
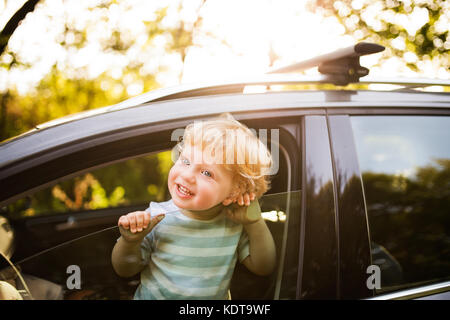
(190, 259)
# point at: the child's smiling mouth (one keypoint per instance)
(183, 191)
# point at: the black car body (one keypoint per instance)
(337, 223)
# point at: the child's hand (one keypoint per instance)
(246, 210)
(241, 199)
(136, 225)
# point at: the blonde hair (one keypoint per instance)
(234, 145)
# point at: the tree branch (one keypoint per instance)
(14, 22)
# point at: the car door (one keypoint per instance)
(65, 221)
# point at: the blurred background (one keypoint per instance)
(58, 57)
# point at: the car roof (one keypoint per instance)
(128, 115)
(236, 86)
(338, 68)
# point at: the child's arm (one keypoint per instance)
(262, 258)
(126, 258)
(126, 255)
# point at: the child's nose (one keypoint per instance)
(188, 174)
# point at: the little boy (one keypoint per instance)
(187, 247)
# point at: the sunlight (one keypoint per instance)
(284, 28)
(235, 39)
(274, 216)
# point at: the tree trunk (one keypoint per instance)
(3, 114)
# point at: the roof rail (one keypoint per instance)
(224, 87)
(340, 67)
(236, 86)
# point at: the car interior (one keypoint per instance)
(74, 223)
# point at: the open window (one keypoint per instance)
(281, 211)
(65, 232)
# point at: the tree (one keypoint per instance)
(5, 35)
(14, 22)
(69, 87)
(411, 29)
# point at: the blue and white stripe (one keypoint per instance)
(190, 259)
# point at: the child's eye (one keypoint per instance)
(207, 173)
(185, 161)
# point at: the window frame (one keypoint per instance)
(319, 251)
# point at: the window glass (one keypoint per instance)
(128, 183)
(405, 166)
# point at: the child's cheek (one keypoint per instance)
(171, 177)
(209, 195)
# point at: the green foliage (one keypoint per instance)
(68, 88)
(58, 95)
(387, 21)
(133, 182)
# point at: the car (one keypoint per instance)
(359, 198)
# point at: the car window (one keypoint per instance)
(127, 183)
(81, 213)
(405, 166)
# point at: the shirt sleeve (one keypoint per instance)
(147, 248)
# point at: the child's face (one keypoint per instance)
(196, 185)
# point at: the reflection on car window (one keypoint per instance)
(87, 203)
(405, 165)
(126, 183)
(52, 274)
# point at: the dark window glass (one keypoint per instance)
(405, 165)
(127, 183)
